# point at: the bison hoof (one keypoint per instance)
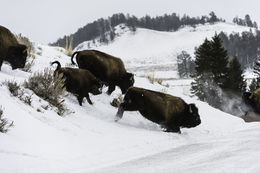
(117, 118)
(173, 131)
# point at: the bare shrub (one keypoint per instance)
(13, 87)
(4, 123)
(68, 46)
(26, 99)
(17, 91)
(28, 65)
(49, 88)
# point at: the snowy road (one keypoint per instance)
(200, 157)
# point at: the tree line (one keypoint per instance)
(245, 46)
(104, 28)
(245, 22)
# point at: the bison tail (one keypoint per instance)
(58, 63)
(75, 53)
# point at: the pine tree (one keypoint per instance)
(197, 87)
(219, 61)
(203, 57)
(202, 60)
(236, 81)
(248, 21)
(255, 82)
(257, 68)
(206, 89)
(203, 73)
(211, 62)
(213, 18)
(254, 85)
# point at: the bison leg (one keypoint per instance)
(170, 127)
(88, 99)
(1, 62)
(80, 99)
(174, 129)
(119, 113)
(111, 88)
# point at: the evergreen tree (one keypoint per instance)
(236, 81)
(211, 62)
(257, 68)
(235, 20)
(248, 21)
(203, 73)
(254, 85)
(255, 82)
(213, 18)
(255, 25)
(219, 61)
(112, 35)
(198, 87)
(206, 89)
(202, 57)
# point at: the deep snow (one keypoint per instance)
(88, 139)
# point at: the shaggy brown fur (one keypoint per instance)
(253, 99)
(169, 111)
(79, 82)
(109, 69)
(10, 50)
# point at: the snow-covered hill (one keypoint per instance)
(154, 52)
(88, 139)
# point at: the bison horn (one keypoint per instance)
(132, 78)
(190, 109)
(251, 96)
(25, 50)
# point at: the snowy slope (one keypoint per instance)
(88, 139)
(154, 52)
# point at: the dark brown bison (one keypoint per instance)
(109, 69)
(253, 100)
(10, 50)
(79, 82)
(168, 111)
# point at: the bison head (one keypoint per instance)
(192, 117)
(17, 56)
(252, 100)
(127, 81)
(247, 98)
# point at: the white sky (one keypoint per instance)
(46, 20)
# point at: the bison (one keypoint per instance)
(166, 110)
(79, 82)
(10, 50)
(107, 68)
(253, 100)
